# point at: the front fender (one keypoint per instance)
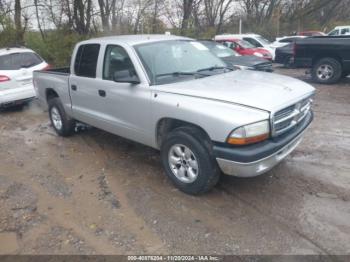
(217, 118)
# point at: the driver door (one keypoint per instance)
(124, 107)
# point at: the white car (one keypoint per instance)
(340, 30)
(16, 75)
(286, 40)
(255, 40)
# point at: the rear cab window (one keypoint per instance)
(86, 59)
(16, 61)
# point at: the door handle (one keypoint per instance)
(74, 87)
(102, 93)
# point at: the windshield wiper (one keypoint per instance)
(212, 68)
(176, 74)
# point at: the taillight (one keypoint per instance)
(4, 78)
(46, 67)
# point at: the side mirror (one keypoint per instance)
(126, 76)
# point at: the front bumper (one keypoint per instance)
(258, 159)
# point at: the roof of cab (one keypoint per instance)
(134, 39)
(342, 27)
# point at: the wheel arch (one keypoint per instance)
(166, 125)
(50, 93)
(319, 57)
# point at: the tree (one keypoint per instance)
(18, 23)
(82, 14)
(215, 12)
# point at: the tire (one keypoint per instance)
(61, 122)
(287, 62)
(206, 174)
(327, 71)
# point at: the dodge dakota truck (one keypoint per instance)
(327, 56)
(171, 93)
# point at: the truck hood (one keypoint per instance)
(265, 91)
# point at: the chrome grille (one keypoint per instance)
(285, 119)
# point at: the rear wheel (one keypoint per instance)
(61, 122)
(327, 71)
(188, 162)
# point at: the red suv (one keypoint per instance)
(245, 48)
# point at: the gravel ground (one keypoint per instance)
(96, 193)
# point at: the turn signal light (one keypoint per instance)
(248, 140)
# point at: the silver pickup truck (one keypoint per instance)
(172, 94)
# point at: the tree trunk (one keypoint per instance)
(18, 23)
(187, 11)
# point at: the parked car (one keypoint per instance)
(340, 30)
(327, 56)
(285, 55)
(255, 40)
(244, 48)
(16, 75)
(311, 33)
(286, 40)
(172, 94)
(233, 59)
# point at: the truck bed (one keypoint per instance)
(61, 70)
(56, 80)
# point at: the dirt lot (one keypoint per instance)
(96, 193)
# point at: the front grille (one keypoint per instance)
(285, 119)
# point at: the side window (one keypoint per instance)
(345, 31)
(229, 44)
(252, 41)
(86, 60)
(118, 61)
(334, 33)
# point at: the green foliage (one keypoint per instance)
(56, 47)
(8, 33)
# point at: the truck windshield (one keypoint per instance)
(178, 60)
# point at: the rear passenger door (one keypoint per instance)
(83, 85)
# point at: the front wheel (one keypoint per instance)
(187, 161)
(288, 62)
(327, 71)
(61, 122)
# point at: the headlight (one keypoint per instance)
(258, 54)
(250, 134)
